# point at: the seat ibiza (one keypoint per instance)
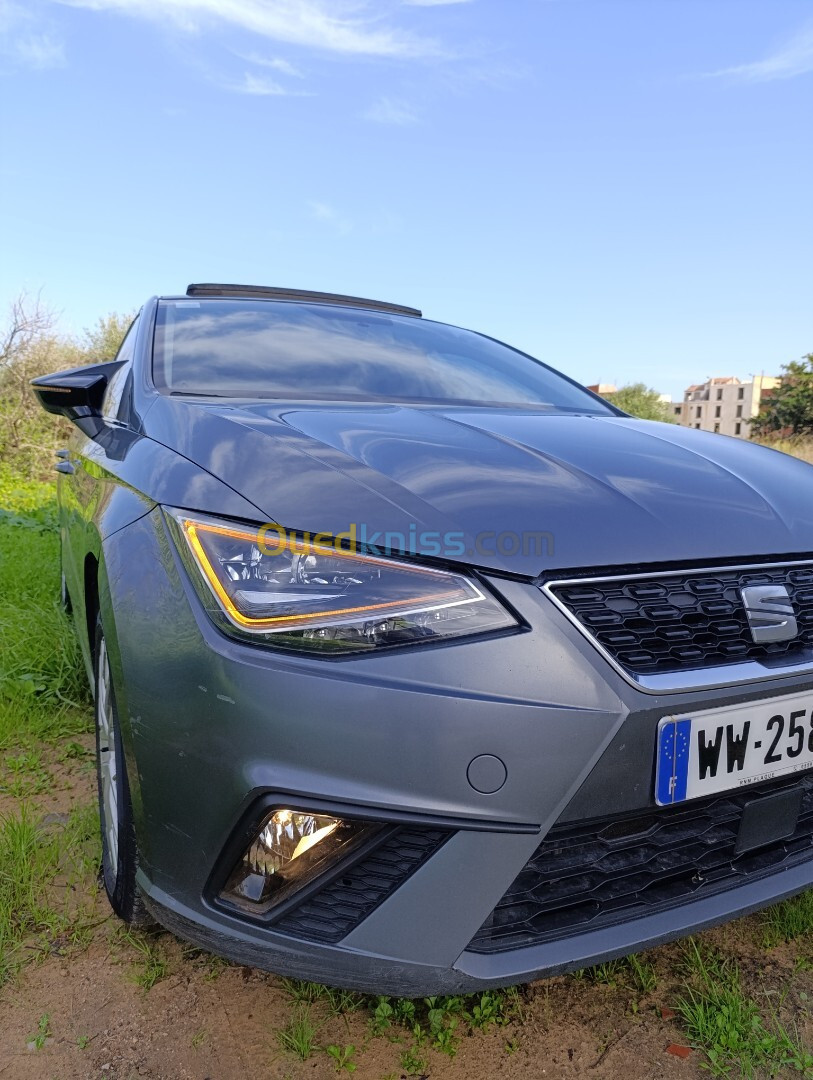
(419, 668)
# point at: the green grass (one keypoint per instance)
(151, 963)
(43, 691)
(43, 696)
(23, 775)
(730, 1028)
(42, 1034)
(414, 1061)
(337, 1001)
(298, 1037)
(788, 920)
(610, 973)
(302, 992)
(632, 971)
(39, 866)
(440, 1022)
(419, 1025)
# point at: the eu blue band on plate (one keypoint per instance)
(673, 760)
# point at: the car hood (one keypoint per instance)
(513, 490)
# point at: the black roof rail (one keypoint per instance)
(271, 293)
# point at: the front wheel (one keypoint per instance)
(119, 848)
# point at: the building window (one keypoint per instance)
(699, 410)
(739, 410)
(717, 410)
(737, 429)
(717, 428)
(678, 410)
(697, 425)
(741, 393)
(719, 395)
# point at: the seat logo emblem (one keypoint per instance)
(770, 613)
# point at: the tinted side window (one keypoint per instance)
(115, 388)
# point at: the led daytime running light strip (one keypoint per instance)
(282, 621)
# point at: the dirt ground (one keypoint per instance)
(204, 1019)
(191, 1026)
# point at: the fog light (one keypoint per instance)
(290, 849)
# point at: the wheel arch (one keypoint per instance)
(91, 590)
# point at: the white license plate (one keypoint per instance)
(701, 753)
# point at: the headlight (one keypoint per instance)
(266, 586)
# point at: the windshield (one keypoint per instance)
(262, 348)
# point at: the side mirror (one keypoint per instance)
(76, 393)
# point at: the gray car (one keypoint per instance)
(419, 668)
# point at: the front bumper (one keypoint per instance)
(211, 726)
(382, 974)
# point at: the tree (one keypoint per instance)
(642, 401)
(102, 341)
(30, 346)
(788, 410)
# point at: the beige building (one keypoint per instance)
(724, 405)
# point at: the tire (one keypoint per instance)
(119, 847)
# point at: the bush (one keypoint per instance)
(30, 347)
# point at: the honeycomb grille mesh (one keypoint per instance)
(593, 874)
(672, 623)
(331, 913)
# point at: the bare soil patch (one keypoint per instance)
(193, 1026)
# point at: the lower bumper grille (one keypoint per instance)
(339, 906)
(594, 874)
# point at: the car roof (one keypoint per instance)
(268, 292)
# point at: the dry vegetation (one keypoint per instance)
(29, 347)
(800, 446)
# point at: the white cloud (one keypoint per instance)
(257, 86)
(433, 3)
(335, 25)
(273, 62)
(40, 51)
(322, 211)
(793, 58)
(389, 111)
(26, 40)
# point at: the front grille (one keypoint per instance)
(594, 874)
(336, 909)
(677, 622)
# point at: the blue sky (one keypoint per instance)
(621, 187)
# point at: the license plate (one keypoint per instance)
(720, 749)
